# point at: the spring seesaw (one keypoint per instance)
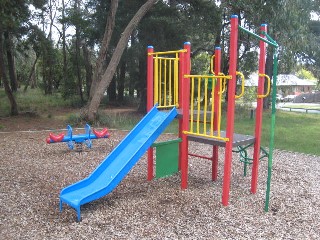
(78, 139)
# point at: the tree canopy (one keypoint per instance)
(71, 46)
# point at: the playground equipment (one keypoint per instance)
(201, 122)
(173, 92)
(73, 140)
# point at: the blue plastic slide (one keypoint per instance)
(119, 162)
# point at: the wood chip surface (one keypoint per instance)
(33, 174)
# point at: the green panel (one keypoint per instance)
(167, 158)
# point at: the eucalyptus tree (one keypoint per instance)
(76, 52)
(14, 22)
(107, 76)
(312, 55)
(100, 65)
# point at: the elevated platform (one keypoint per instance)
(238, 140)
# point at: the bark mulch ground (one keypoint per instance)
(33, 174)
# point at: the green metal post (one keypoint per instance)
(272, 128)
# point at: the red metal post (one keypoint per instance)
(216, 100)
(231, 109)
(181, 70)
(150, 105)
(259, 110)
(185, 116)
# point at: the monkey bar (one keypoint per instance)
(270, 41)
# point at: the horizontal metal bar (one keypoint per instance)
(168, 106)
(208, 76)
(166, 58)
(257, 36)
(200, 156)
(205, 135)
(168, 52)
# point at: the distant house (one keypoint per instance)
(287, 84)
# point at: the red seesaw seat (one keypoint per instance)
(55, 138)
(100, 134)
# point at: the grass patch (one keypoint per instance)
(122, 121)
(113, 120)
(303, 106)
(296, 132)
(35, 101)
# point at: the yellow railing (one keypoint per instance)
(201, 87)
(242, 84)
(224, 83)
(268, 86)
(166, 78)
(211, 64)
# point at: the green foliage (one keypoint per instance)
(14, 14)
(305, 74)
(75, 120)
(69, 86)
(248, 63)
(169, 24)
(201, 63)
(250, 96)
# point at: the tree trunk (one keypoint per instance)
(108, 74)
(77, 9)
(88, 66)
(31, 75)
(142, 88)
(33, 82)
(100, 66)
(112, 91)
(78, 67)
(132, 70)
(46, 49)
(50, 55)
(3, 70)
(121, 80)
(11, 64)
(64, 46)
